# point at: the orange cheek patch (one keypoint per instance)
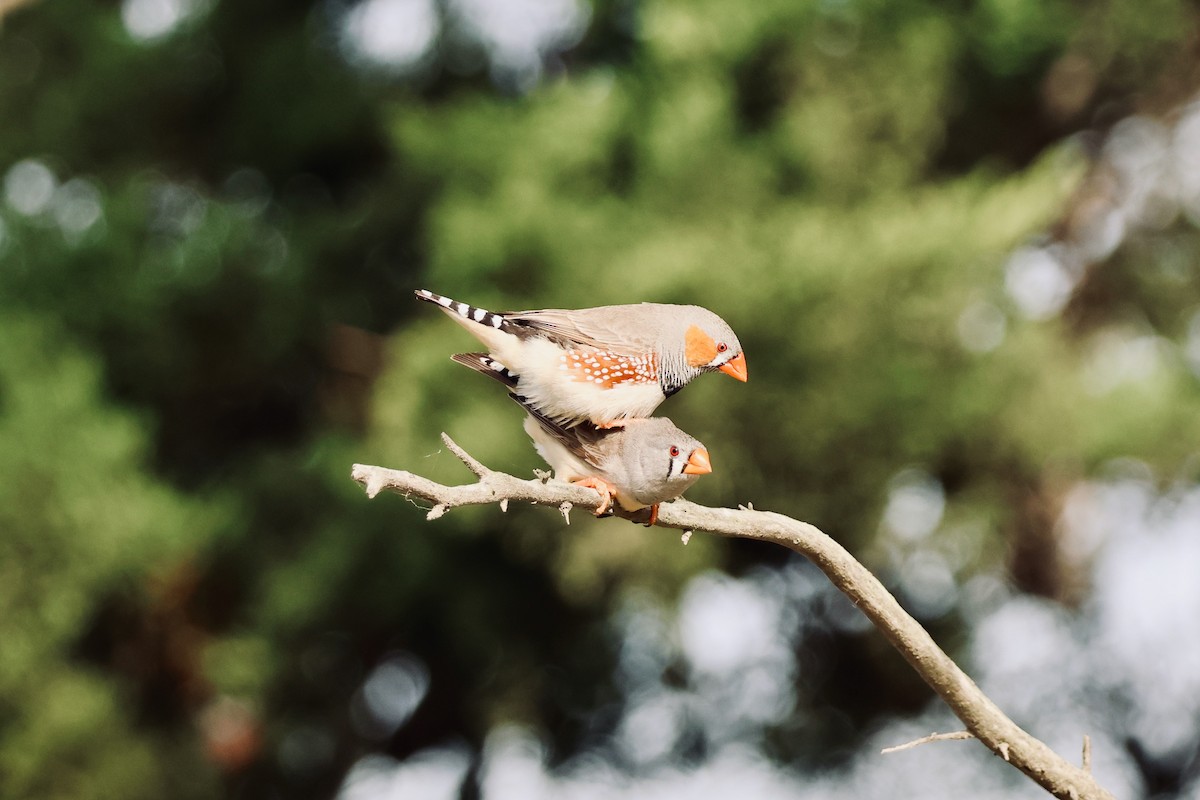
(606, 369)
(701, 349)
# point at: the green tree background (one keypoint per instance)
(957, 241)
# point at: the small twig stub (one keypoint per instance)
(933, 737)
(472, 463)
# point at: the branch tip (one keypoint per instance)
(472, 463)
(437, 511)
(374, 487)
(686, 537)
(565, 510)
(371, 478)
(933, 737)
(1087, 753)
(504, 505)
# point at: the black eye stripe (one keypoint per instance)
(674, 453)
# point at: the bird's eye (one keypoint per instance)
(722, 347)
(674, 451)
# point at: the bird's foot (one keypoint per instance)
(614, 423)
(607, 492)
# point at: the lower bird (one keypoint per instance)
(643, 463)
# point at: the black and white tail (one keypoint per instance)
(482, 362)
(471, 313)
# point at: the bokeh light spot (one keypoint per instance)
(915, 504)
(29, 187)
(520, 34)
(148, 20)
(1038, 282)
(651, 727)
(390, 695)
(390, 33)
(77, 206)
(432, 774)
(1118, 357)
(928, 584)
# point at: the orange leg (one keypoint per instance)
(653, 516)
(616, 423)
(606, 490)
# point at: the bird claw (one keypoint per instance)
(602, 487)
(653, 516)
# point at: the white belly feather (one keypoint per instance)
(558, 392)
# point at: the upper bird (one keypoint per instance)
(640, 464)
(605, 364)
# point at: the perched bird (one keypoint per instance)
(606, 364)
(640, 464)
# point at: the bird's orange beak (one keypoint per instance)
(698, 463)
(735, 367)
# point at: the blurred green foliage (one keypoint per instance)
(192, 589)
(80, 517)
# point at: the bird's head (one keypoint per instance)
(668, 460)
(710, 344)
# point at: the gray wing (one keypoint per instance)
(583, 440)
(626, 330)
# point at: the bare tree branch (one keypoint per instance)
(982, 717)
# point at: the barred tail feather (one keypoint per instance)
(482, 362)
(468, 312)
